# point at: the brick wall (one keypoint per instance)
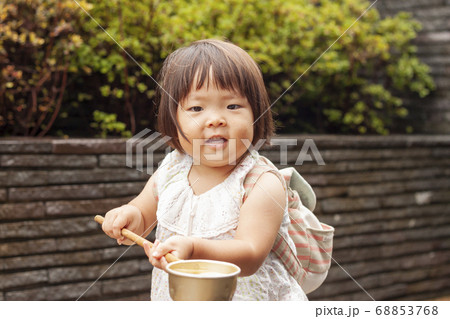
(50, 247)
(388, 198)
(432, 114)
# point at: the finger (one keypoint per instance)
(163, 263)
(119, 223)
(157, 252)
(125, 241)
(151, 251)
(147, 249)
(154, 261)
(156, 255)
(107, 224)
(163, 249)
(110, 219)
(157, 264)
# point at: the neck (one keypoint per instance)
(222, 171)
(202, 178)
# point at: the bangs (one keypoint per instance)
(211, 67)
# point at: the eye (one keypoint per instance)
(233, 107)
(195, 109)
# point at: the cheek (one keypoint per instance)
(246, 134)
(249, 131)
(185, 145)
(250, 126)
(184, 125)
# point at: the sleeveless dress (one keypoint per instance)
(215, 215)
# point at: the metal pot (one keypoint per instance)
(191, 280)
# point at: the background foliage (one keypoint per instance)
(59, 67)
(37, 39)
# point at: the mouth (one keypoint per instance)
(216, 140)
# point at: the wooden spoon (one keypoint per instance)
(137, 239)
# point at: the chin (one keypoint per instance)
(217, 163)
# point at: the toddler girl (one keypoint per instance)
(214, 106)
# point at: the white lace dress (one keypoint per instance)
(214, 215)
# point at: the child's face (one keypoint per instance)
(218, 125)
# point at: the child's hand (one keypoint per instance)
(126, 216)
(180, 246)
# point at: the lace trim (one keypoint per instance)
(225, 208)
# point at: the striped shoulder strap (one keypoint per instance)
(281, 247)
(251, 179)
(261, 167)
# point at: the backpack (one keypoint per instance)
(311, 260)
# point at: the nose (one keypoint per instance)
(216, 119)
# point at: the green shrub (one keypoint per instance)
(107, 124)
(355, 87)
(37, 39)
